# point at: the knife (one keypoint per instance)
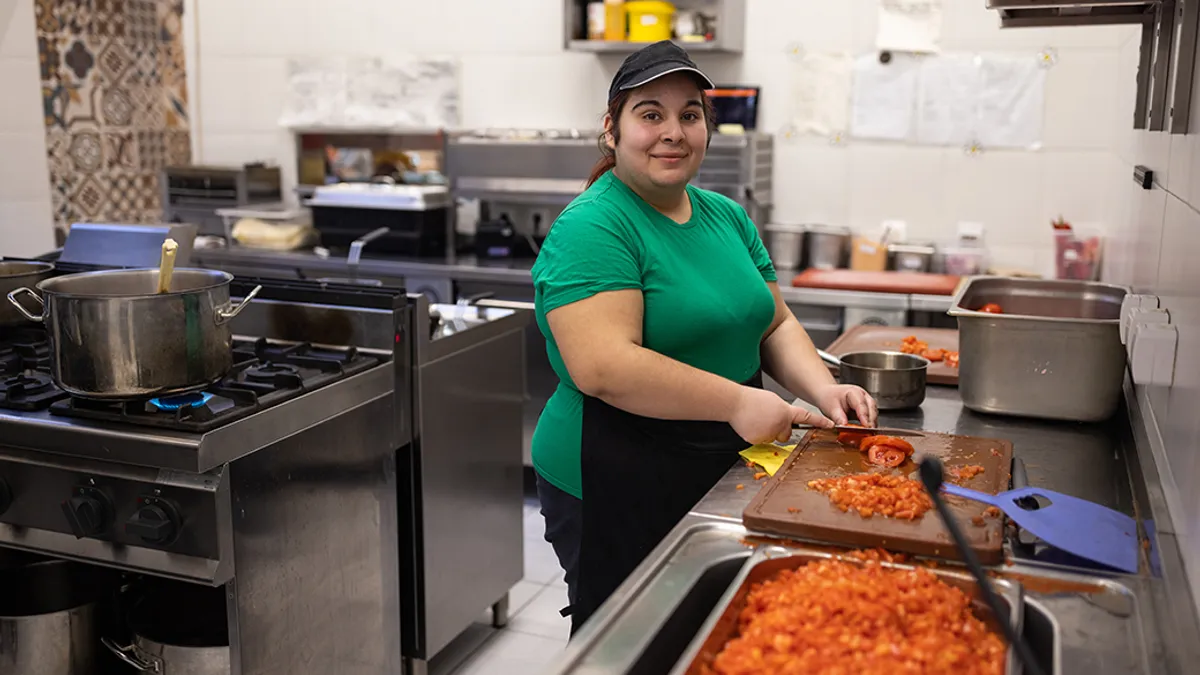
(878, 431)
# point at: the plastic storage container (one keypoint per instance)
(649, 20)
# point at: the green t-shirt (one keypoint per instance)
(703, 284)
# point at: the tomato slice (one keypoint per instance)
(888, 441)
(884, 455)
(952, 359)
(991, 308)
(852, 437)
(934, 354)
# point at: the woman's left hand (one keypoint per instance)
(839, 401)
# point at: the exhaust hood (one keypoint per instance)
(1035, 13)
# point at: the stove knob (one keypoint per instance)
(5, 497)
(87, 512)
(155, 522)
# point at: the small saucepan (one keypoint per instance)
(896, 381)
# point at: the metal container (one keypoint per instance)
(785, 243)
(911, 257)
(112, 336)
(177, 629)
(896, 381)
(14, 275)
(1054, 352)
(827, 247)
(48, 616)
(768, 561)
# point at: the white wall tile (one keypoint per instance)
(1075, 186)
(971, 26)
(773, 25)
(510, 90)
(894, 182)
(811, 183)
(21, 105)
(1001, 190)
(17, 38)
(26, 227)
(24, 171)
(1081, 100)
(1149, 207)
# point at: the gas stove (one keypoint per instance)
(264, 374)
(25, 382)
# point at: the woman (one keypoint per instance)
(661, 310)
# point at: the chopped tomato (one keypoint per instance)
(934, 354)
(991, 308)
(889, 441)
(883, 455)
(951, 359)
(911, 345)
(852, 437)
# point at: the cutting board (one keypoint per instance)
(813, 517)
(888, 338)
(917, 283)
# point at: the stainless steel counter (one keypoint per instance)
(1120, 624)
(470, 268)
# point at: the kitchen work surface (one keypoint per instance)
(865, 338)
(918, 283)
(787, 506)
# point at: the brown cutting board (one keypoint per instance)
(918, 283)
(819, 455)
(864, 338)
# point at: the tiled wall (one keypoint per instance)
(1156, 249)
(26, 223)
(515, 73)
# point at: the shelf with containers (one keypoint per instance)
(700, 26)
(411, 156)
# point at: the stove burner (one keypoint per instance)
(270, 372)
(26, 384)
(172, 403)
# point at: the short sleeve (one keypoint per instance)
(754, 243)
(587, 252)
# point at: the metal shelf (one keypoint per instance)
(605, 47)
(730, 32)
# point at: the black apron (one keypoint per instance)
(641, 476)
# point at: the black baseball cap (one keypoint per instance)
(652, 62)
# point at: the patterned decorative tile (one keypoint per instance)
(114, 92)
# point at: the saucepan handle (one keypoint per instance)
(129, 655)
(225, 315)
(12, 297)
(829, 358)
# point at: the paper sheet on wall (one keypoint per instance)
(821, 94)
(372, 92)
(884, 95)
(1012, 100)
(909, 25)
(948, 102)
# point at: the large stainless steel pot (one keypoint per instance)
(14, 275)
(896, 381)
(113, 336)
(177, 629)
(47, 615)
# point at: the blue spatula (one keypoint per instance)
(1074, 525)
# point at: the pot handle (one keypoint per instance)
(130, 656)
(225, 315)
(12, 297)
(829, 358)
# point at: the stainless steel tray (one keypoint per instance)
(767, 561)
(1055, 352)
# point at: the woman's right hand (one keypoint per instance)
(760, 416)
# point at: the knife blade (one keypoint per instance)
(877, 431)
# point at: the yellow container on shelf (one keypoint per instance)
(649, 20)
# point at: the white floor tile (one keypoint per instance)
(541, 565)
(513, 653)
(521, 595)
(455, 654)
(541, 616)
